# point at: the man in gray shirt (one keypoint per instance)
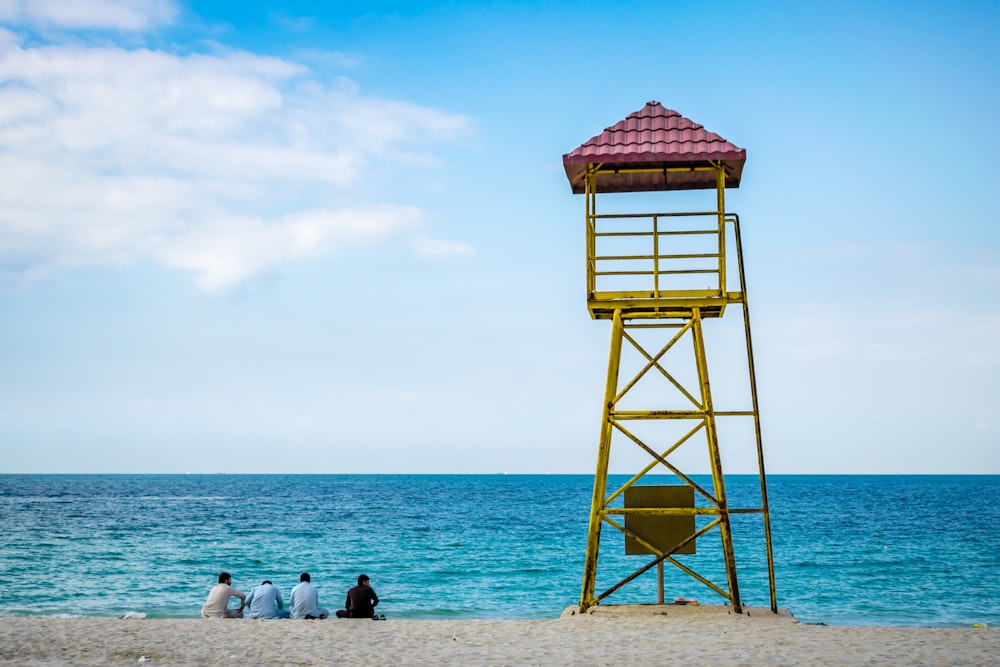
(305, 600)
(265, 601)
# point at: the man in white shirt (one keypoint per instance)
(265, 601)
(217, 604)
(305, 600)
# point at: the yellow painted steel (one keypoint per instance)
(677, 291)
(598, 502)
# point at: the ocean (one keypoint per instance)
(849, 550)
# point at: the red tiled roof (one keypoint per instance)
(651, 138)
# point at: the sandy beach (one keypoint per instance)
(642, 635)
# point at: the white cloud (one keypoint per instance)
(125, 15)
(438, 248)
(226, 252)
(224, 165)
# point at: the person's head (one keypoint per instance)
(363, 580)
(265, 583)
(304, 576)
(224, 578)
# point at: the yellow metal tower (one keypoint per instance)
(659, 277)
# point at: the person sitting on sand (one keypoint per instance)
(265, 601)
(217, 604)
(305, 600)
(361, 601)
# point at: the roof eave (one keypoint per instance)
(651, 176)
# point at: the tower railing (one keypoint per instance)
(657, 262)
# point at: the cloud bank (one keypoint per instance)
(223, 164)
(125, 15)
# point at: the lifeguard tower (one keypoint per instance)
(659, 278)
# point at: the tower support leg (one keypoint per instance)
(715, 461)
(603, 456)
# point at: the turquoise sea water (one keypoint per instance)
(886, 550)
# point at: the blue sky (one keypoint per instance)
(292, 237)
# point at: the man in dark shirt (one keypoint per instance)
(361, 601)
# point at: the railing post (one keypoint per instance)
(656, 257)
(720, 186)
(591, 198)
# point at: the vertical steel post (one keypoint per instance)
(656, 257)
(756, 420)
(603, 457)
(590, 194)
(715, 460)
(720, 188)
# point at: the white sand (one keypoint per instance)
(645, 635)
